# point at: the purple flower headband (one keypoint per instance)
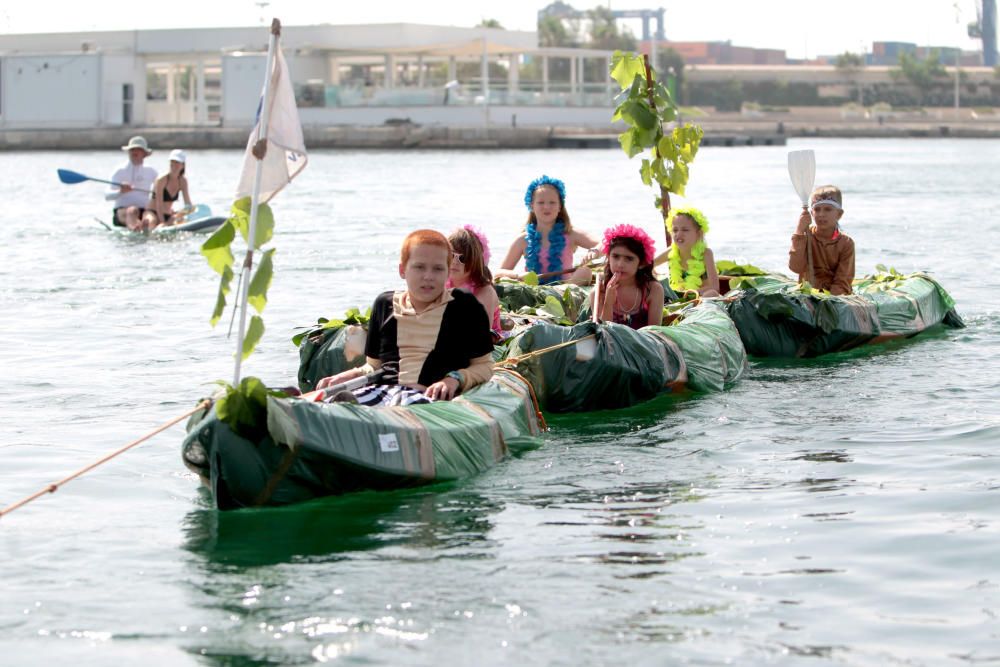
(544, 180)
(632, 232)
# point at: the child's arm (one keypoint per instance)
(514, 255)
(184, 189)
(584, 240)
(487, 296)
(655, 304)
(711, 282)
(797, 259)
(844, 273)
(371, 365)
(608, 297)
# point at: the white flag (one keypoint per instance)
(286, 151)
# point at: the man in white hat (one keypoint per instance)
(133, 182)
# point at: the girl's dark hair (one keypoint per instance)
(644, 274)
(467, 244)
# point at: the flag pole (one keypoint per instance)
(259, 151)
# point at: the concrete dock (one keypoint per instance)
(721, 129)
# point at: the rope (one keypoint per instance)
(52, 488)
(534, 398)
(513, 361)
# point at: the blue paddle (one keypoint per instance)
(72, 178)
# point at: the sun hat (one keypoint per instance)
(137, 142)
(178, 155)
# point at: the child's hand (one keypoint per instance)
(804, 221)
(443, 390)
(612, 287)
(343, 376)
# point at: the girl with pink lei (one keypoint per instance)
(692, 264)
(470, 272)
(549, 239)
(631, 295)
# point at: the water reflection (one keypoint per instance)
(331, 529)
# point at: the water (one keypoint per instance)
(835, 511)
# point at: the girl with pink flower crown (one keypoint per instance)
(549, 240)
(470, 272)
(630, 294)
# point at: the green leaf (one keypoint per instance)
(628, 141)
(220, 299)
(530, 278)
(666, 148)
(244, 409)
(644, 172)
(254, 333)
(257, 293)
(216, 248)
(625, 67)
(554, 307)
(644, 116)
(264, 229)
(881, 267)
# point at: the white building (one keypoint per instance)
(343, 75)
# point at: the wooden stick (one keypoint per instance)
(52, 488)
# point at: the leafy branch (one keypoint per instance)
(352, 316)
(646, 106)
(218, 252)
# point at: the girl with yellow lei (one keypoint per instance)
(692, 265)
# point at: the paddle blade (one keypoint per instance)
(70, 177)
(802, 170)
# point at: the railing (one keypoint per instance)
(531, 93)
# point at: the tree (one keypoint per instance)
(671, 63)
(552, 32)
(490, 23)
(605, 34)
(924, 75)
(850, 65)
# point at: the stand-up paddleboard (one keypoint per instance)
(198, 220)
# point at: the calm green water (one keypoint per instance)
(838, 511)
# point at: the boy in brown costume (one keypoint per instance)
(822, 255)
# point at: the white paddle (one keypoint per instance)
(802, 171)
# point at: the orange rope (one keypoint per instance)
(52, 488)
(534, 398)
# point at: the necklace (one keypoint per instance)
(628, 312)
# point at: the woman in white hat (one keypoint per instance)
(166, 190)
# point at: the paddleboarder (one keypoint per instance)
(166, 190)
(131, 197)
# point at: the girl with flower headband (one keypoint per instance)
(470, 272)
(822, 255)
(692, 264)
(549, 239)
(631, 295)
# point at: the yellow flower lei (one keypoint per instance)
(695, 263)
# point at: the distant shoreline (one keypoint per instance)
(731, 129)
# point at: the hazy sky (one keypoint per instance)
(801, 27)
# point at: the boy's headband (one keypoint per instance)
(828, 202)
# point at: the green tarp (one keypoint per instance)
(776, 319)
(702, 349)
(318, 449)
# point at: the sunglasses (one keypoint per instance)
(459, 256)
